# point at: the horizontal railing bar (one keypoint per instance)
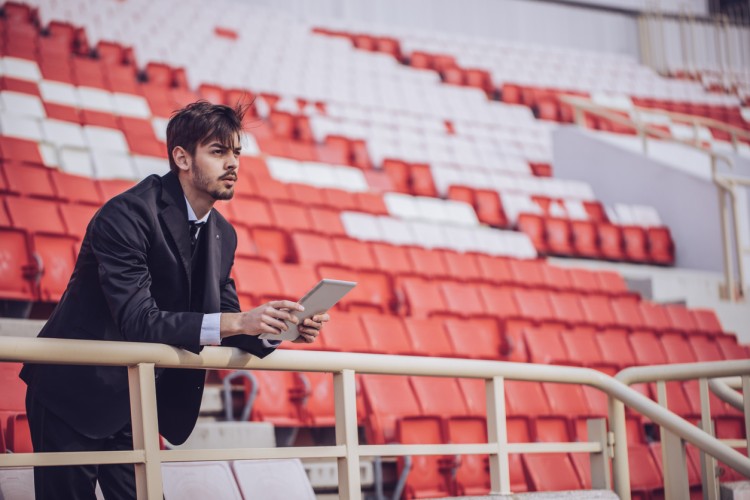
(730, 396)
(253, 453)
(735, 443)
(72, 458)
(683, 371)
(398, 450)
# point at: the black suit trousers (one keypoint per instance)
(77, 482)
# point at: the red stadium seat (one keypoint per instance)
(312, 248)
(346, 334)
(422, 298)
(386, 334)
(392, 259)
(707, 321)
(295, 279)
(472, 476)
(475, 338)
(627, 312)
(533, 226)
(18, 434)
(354, 253)
(422, 183)
(326, 221)
(439, 396)
(428, 474)
(557, 278)
(16, 275)
(660, 246)
(462, 266)
(583, 348)
(730, 348)
(290, 216)
(528, 273)
(428, 337)
(384, 410)
(28, 180)
(551, 472)
(545, 346)
(462, 299)
(558, 235)
(611, 245)
(279, 399)
(428, 263)
(273, 244)
(534, 304)
(598, 311)
(57, 257)
(20, 150)
(74, 188)
(681, 319)
(585, 239)
(567, 308)
(584, 280)
(496, 269)
(654, 316)
(489, 209)
(319, 407)
(645, 476)
(634, 239)
(615, 348)
(257, 278)
(77, 218)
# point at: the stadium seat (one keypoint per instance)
(645, 476)
(279, 399)
(28, 180)
(295, 279)
(707, 322)
(356, 254)
(386, 334)
(475, 338)
(660, 246)
(77, 218)
(472, 475)
(567, 308)
(346, 334)
(551, 472)
(558, 236)
(428, 337)
(277, 479)
(16, 277)
(273, 244)
(18, 434)
(383, 410)
(313, 249)
(545, 346)
(611, 242)
(257, 278)
(462, 299)
(197, 480)
(428, 474)
(422, 298)
(584, 236)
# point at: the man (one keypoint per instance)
(154, 266)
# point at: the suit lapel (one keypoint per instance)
(212, 240)
(174, 217)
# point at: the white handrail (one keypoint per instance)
(142, 358)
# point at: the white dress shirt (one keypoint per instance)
(211, 325)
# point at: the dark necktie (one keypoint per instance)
(194, 228)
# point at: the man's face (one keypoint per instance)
(214, 168)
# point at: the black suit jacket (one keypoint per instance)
(132, 282)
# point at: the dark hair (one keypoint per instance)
(200, 123)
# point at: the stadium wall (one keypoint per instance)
(621, 176)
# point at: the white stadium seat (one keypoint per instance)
(395, 231)
(113, 165)
(59, 93)
(272, 480)
(361, 226)
(130, 105)
(429, 234)
(22, 127)
(199, 481)
(62, 133)
(76, 161)
(285, 170)
(147, 165)
(96, 99)
(106, 139)
(20, 69)
(17, 103)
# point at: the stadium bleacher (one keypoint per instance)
(411, 179)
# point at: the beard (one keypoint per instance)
(204, 182)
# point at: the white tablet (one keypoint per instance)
(320, 298)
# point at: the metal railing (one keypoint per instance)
(734, 251)
(141, 359)
(673, 444)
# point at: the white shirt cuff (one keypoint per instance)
(211, 329)
(211, 332)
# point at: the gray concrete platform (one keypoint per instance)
(547, 495)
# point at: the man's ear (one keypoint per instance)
(180, 157)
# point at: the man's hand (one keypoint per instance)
(268, 318)
(310, 328)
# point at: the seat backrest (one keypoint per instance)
(386, 334)
(17, 483)
(478, 338)
(439, 396)
(387, 399)
(199, 480)
(428, 337)
(272, 479)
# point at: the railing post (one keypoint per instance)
(345, 397)
(145, 427)
(674, 463)
(620, 466)
(708, 463)
(726, 240)
(497, 432)
(597, 431)
(738, 238)
(746, 402)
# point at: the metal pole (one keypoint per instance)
(737, 239)
(345, 397)
(728, 267)
(143, 417)
(708, 463)
(497, 433)
(597, 431)
(746, 402)
(620, 467)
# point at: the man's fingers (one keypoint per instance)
(312, 324)
(264, 328)
(321, 318)
(286, 304)
(279, 314)
(273, 322)
(309, 331)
